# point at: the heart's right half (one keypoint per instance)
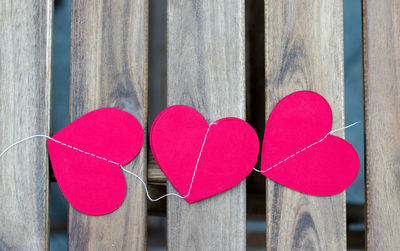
(298, 153)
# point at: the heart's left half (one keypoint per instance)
(86, 156)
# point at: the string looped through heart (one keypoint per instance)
(305, 148)
(197, 162)
(191, 183)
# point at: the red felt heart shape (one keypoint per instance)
(86, 154)
(228, 156)
(298, 121)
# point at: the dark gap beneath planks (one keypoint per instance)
(353, 80)
(157, 96)
(59, 116)
(255, 115)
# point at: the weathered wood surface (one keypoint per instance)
(304, 51)
(25, 79)
(206, 70)
(382, 119)
(109, 68)
(154, 173)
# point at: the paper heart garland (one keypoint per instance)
(297, 152)
(297, 121)
(228, 156)
(86, 155)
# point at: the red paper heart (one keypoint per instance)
(90, 178)
(229, 154)
(296, 122)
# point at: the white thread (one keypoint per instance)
(197, 162)
(305, 148)
(22, 140)
(118, 164)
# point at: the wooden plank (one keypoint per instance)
(304, 51)
(382, 119)
(109, 68)
(154, 173)
(25, 79)
(206, 70)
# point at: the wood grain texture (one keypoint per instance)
(154, 173)
(206, 70)
(109, 68)
(304, 51)
(381, 29)
(25, 80)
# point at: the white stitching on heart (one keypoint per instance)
(305, 148)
